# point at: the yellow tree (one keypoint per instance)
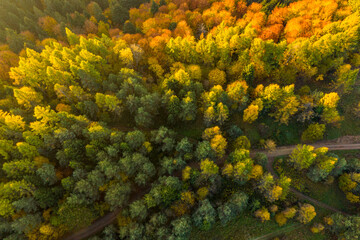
(251, 113)
(330, 115)
(27, 97)
(330, 100)
(217, 77)
(218, 144)
(285, 109)
(263, 214)
(208, 168)
(306, 213)
(237, 92)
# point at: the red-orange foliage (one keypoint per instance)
(178, 15)
(184, 7)
(90, 27)
(241, 8)
(199, 4)
(194, 19)
(8, 59)
(113, 32)
(193, 4)
(272, 32)
(182, 30)
(299, 19)
(255, 7)
(230, 5)
(50, 26)
(132, 38)
(216, 14)
(298, 27)
(139, 15)
(29, 36)
(163, 9)
(277, 16)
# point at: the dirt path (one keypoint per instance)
(95, 227)
(102, 222)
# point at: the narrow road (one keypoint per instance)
(102, 222)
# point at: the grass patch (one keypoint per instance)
(329, 194)
(304, 233)
(191, 130)
(245, 227)
(348, 127)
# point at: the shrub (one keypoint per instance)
(313, 133)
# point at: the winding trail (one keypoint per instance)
(109, 218)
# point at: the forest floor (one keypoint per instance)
(343, 143)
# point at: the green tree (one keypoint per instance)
(170, 165)
(28, 204)
(188, 107)
(117, 195)
(184, 146)
(345, 226)
(18, 169)
(154, 7)
(27, 150)
(129, 27)
(6, 147)
(15, 41)
(346, 78)
(204, 150)
(138, 210)
(26, 223)
(165, 138)
(233, 207)
(109, 103)
(164, 192)
(119, 14)
(181, 228)
(205, 216)
(47, 174)
(135, 139)
(74, 216)
(242, 142)
(302, 157)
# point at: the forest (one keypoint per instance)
(179, 119)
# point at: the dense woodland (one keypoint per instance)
(154, 108)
